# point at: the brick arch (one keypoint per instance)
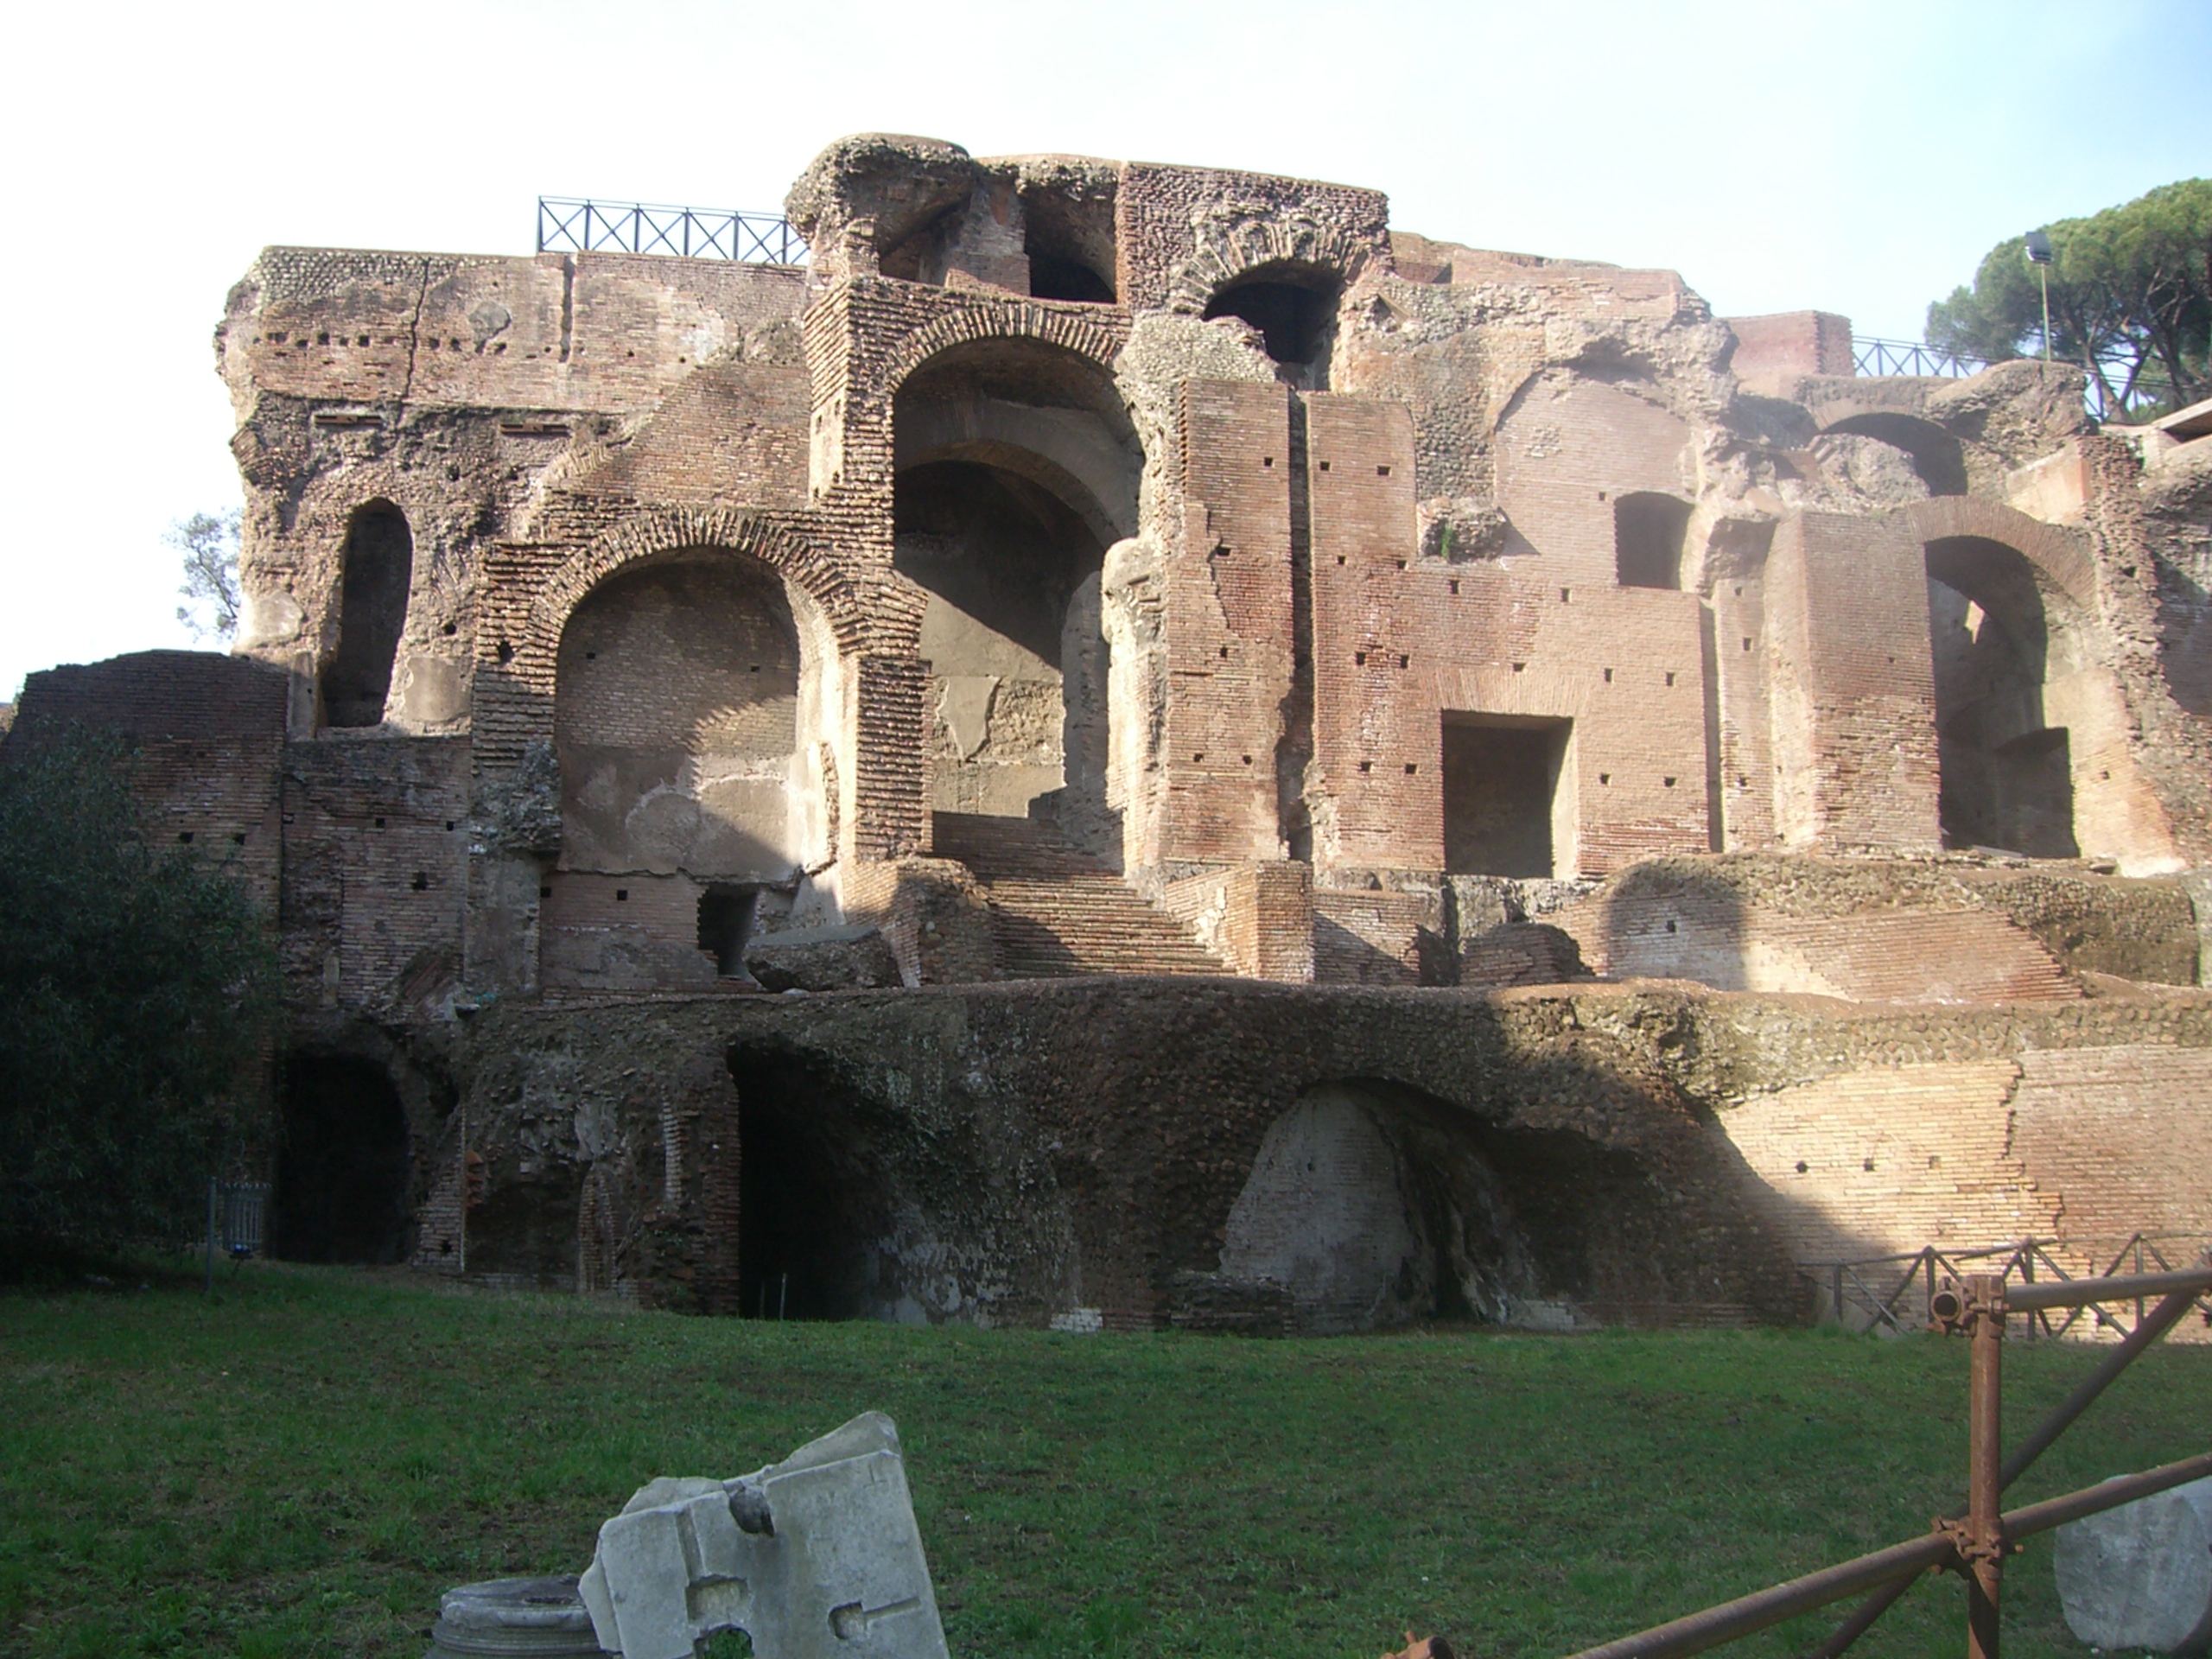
(659, 532)
(1228, 252)
(1068, 330)
(2060, 556)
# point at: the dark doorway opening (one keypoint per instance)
(342, 1166)
(1648, 530)
(725, 916)
(1054, 278)
(1501, 782)
(378, 567)
(1294, 308)
(2006, 777)
(815, 1214)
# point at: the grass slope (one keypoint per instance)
(301, 1467)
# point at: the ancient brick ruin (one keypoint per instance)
(1088, 568)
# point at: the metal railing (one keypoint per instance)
(572, 225)
(1896, 1293)
(237, 1222)
(1975, 1541)
(1870, 356)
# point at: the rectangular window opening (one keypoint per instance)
(1501, 787)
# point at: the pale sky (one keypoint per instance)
(1852, 157)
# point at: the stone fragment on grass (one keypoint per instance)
(814, 1556)
(2139, 1579)
(515, 1616)
(821, 959)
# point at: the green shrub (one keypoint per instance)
(137, 990)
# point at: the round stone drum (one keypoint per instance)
(513, 1617)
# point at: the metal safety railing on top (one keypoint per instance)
(1898, 1293)
(1973, 1542)
(1870, 356)
(573, 224)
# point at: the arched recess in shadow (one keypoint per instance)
(1936, 456)
(1374, 1204)
(377, 567)
(1997, 636)
(838, 1197)
(683, 694)
(343, 1164)
(1015, 467)
(1293, 305)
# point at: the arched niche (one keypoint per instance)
(1294, 308)
(1374, 1204)
(1998, 640)
(377, 569)
(692, 796)
(1015, 467)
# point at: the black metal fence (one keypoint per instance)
(1870, 356)
(572, 225)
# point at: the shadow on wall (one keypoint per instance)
(1936, 456)
(343, 1166)
(2185, 640)
(1373, 1205)
(1667, 922)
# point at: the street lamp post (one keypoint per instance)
(2039, 256)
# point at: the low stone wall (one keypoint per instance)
(1102, 1153)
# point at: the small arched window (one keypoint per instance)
(378, 566)
(1648, 530)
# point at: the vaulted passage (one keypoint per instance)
(1003, 559)
(1016, 470)
(343, 1164)
(1501, 789)
(2006, 775)
(378, 567)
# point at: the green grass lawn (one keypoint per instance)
(302, 1467)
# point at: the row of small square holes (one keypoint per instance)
(389, 339)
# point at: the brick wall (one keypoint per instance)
(1854, 698)
(1773, 352)
(208, 731)
(1258, 918)
(2083, 1143)
(1399, 641)
(375, 866)
(1228, 623)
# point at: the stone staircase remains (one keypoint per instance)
(1056, 911)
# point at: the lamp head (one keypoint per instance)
(2039, 246)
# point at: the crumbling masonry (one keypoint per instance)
(1087, 567)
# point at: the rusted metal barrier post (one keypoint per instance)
(1983, 1548)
